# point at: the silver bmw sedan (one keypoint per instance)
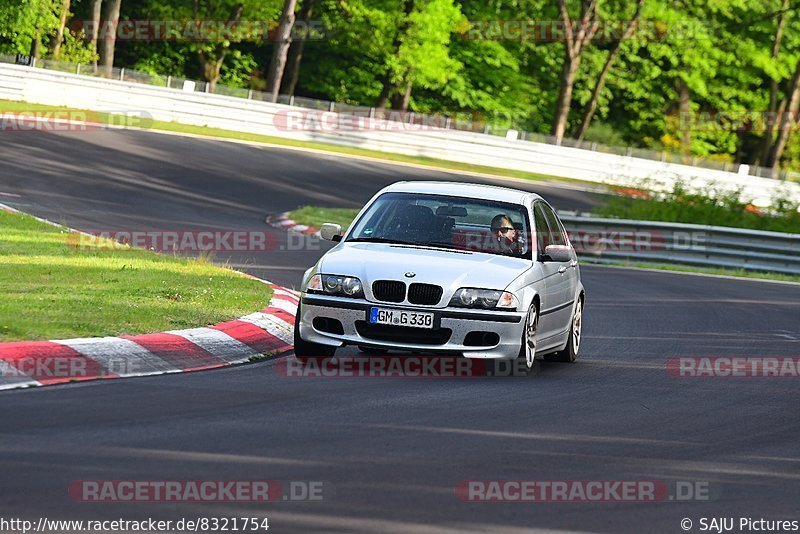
(448, 268)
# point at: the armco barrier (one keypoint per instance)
(628, 241)
(40, 86)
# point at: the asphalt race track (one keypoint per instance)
(390, 452)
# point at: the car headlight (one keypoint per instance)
(484, 298)
(344, 286)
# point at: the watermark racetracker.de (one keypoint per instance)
(734, 367)
(138, 491)
(593, 491)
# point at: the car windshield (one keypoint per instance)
(446, 222)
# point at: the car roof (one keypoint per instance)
(463, 189)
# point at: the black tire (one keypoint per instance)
(305, 350)
(570, 352)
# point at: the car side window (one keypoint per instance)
(541, 230)
(556, 235)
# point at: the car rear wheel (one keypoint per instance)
(570, 352)
(305, 350)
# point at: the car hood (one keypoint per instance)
(446, 268)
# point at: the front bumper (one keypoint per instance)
(353, 313)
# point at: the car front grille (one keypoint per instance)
(389, 290)
(403, 334)
(424, 294)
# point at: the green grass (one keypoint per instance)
(716, 208)
(120, 120)
(53, 289)
(315, 216)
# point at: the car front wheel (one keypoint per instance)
(526, 359)
(305, 350)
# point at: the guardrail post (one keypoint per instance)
(291, 100)
(169, 80)
(330, 106)
(250, 94)
(33, 62)
(78, 68)
(371, 113)
(122, 74)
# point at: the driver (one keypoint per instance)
(505, 234)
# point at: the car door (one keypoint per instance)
(551, 294)
(564, 283)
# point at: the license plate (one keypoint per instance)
(401, 318)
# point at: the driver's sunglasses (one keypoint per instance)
(504, 229)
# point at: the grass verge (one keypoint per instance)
(10, 106)
(315, 216)
(53, 290)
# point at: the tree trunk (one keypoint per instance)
(400, 100)
(591, 108)
(568, 72)
(567, 84)
(281, 49)
(96, 9)
(62, 22)
(386, 90)
(292, 73)
(111, 20)
(787, 121)
(35, 45)
(684, 109)
(388, 87)
(575, 38)
(211, 69)
(774, 101)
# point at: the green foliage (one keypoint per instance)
(75, 49)
(601, 132)
(712, 207)
(24, 20)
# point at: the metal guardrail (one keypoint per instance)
(629, 241)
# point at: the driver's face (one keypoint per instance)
(507, 231)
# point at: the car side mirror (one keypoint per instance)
(557, 253)
(331, 232)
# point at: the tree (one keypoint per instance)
(600, 82)
(96, 13)
(787, 120)
(574, 40)
(25, 23)
(292, 72)
(421, 51)
(283, 41)
(59, 36)
(109, 25)
(212, 56)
